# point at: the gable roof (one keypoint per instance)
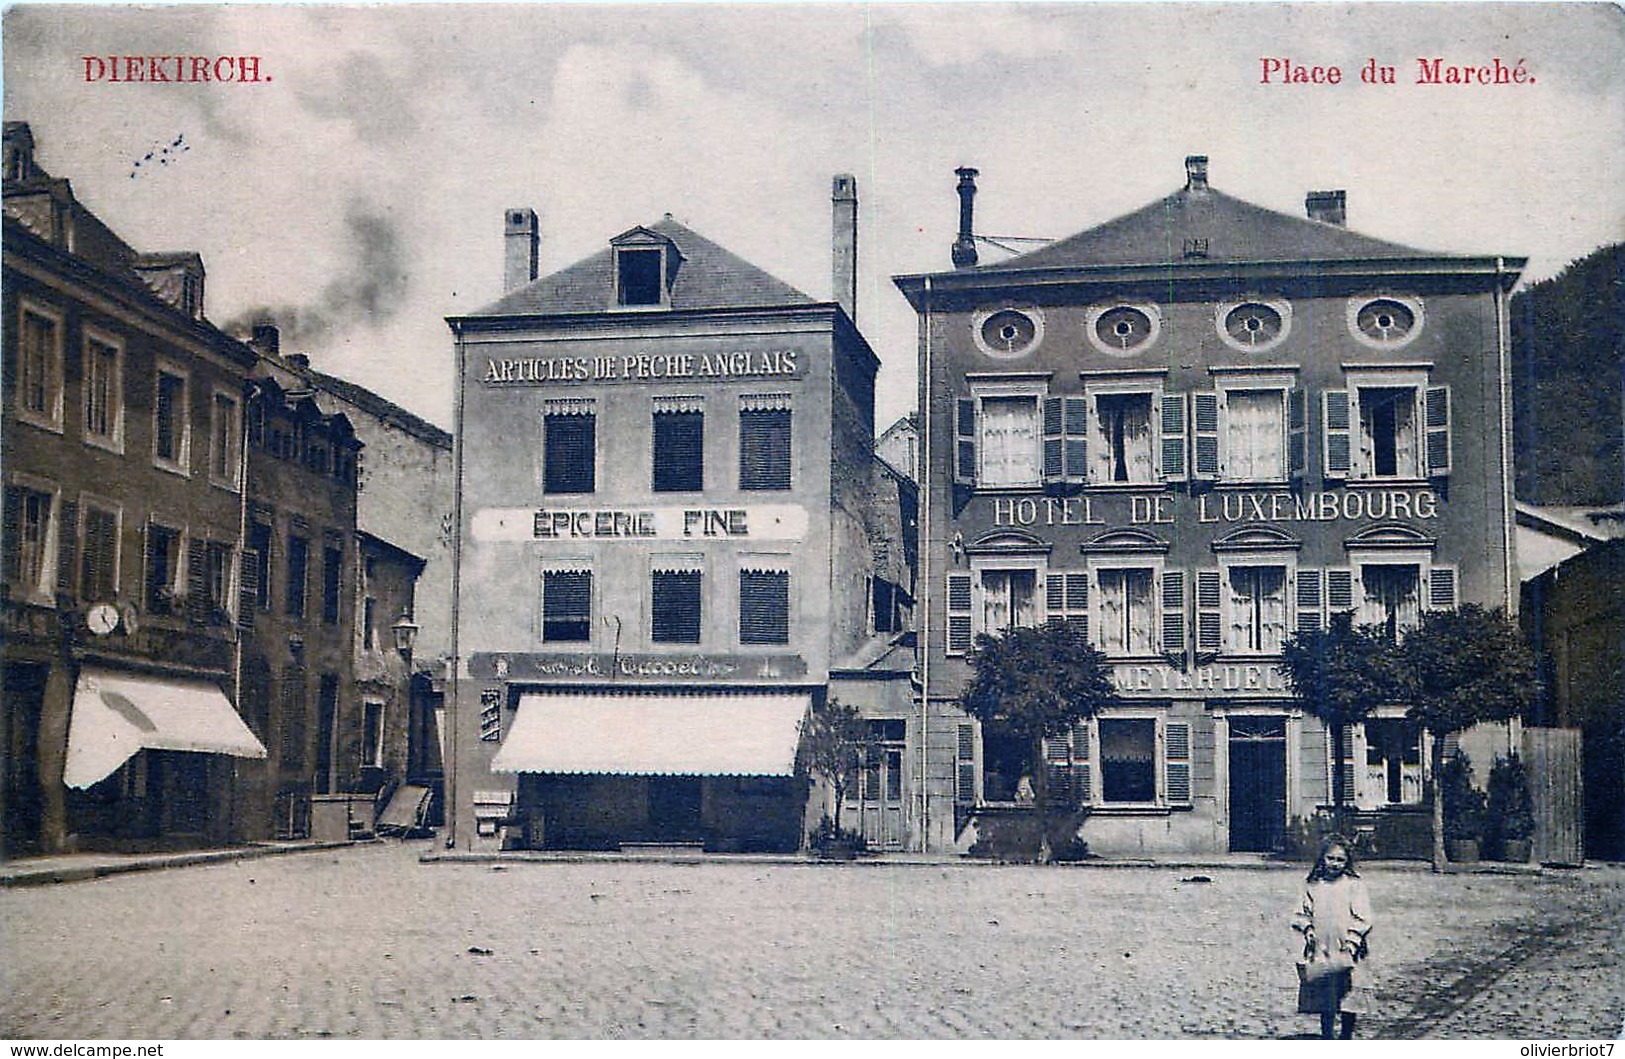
(1235, 231)
(709, 277)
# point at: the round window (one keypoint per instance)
(1009, 331)
(1385, 320)
(1124, 328)
(1253, 324)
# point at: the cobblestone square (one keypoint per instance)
(367, 942)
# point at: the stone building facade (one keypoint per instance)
(666, 545)
(1192, 431)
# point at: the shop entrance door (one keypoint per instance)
(1257, 784)
(675, 809)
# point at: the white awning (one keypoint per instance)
(117, 714)
(655, 733)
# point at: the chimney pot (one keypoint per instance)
(1327, 206)
(299, 361)
(844, 243)
(267, 339)
(1196, 172)
(522, 243)
(964, 249)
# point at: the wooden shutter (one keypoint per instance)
(12, 539)
(1442, 588)
(1173, 611)
(1054, 441)
(1311, 598)
(1209, 622)
(1173, 437)
(197, 585)
(965, 441)
(1176, 752)
(959, 613)
(248, 587)
(1339, 590)
(1338, 439)
(1066, 597)
(1436, 417)
(67, 547)
(1058, 762)
(1075, 430)
(1205, 435)
(965, 766)
(1297, 433)
(1082, 774)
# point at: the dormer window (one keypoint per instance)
(638, 276)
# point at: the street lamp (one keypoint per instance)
(406, 635)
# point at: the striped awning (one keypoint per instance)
(648, 733)
(117, 714)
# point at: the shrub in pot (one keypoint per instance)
(1463, 808)
(1510, 810)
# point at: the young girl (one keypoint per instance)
(1334, 921)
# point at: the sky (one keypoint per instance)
(357, 194)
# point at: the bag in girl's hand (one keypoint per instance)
(1317, 970)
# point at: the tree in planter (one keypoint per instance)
(1037, 683)
(835, 743)
(1510, 814)
(1339, 674)
(1460, 668)
(1462, 804)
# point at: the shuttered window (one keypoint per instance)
(98, 555)
(679, 452)
(217, 563)
(1176, 750)
(567, 606)
(958, 637)
(1065, 440)
(1205, 435)
(1442, 588)
(569, 447)
(1310, 600)
(1209, 611)
(332, 579)
(764, 449)
(764, 607)
(1173, 436)
(259, 543)
(965, 441)
(1173, 612)
(965, 765)
(1337, 442)
(1066, 597)
(675, 606)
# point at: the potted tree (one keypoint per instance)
(835, 742)
(1463, 809)
(1462, 667)
(1039, 683)
(1510, 811)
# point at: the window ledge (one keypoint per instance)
(1249, 484)
(1135, 810)
(179, 470)
(1106, 488)
(115, 445)
(1387, 483)
(40, 422)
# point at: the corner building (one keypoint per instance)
(1193, 431)
(665, 471)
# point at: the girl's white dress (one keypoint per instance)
(1340, 913)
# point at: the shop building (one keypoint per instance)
(297, 611)
(124, 496)
(1192, 431)
(665, 541)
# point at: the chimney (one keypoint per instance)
(19, 151)
(1328, 206)
(964, 251)
(1196, 172)
(267, 340)
(300, 362)
(843, 198)
(522, 240)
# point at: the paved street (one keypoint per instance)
(366, 942)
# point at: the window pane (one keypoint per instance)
(1123, 438)
(675, 606)
(1255, 434)
(639, 275)
(259, 536)
(163, 566)
(1010, 441)
(764, 449)
(37, 366)
(1128, 760)
(101, 389)
(1257, 608)
(679, 452)
(298, 560)
(223, 450)
(567, 605)
(1388, 431)
(764, 606)
(568, 449)
(1391, 598)
(170, 419)
(332, 573)
(1127, 618)
(1008, 599)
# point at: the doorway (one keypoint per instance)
(1257, 784)
(676, 809)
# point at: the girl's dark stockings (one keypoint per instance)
(1328, 1022)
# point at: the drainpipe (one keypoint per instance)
(924, 641)
(1503, 342)
(451, 769)
(251, 394)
